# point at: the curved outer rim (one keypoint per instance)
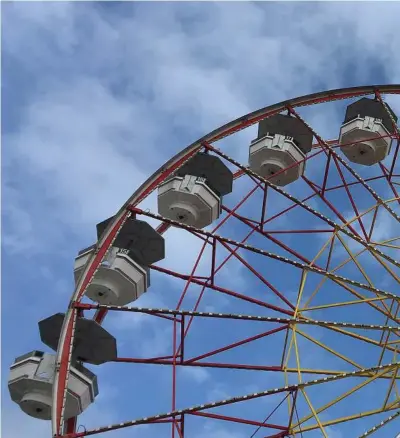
(66, 337)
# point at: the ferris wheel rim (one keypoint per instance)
(63, 354)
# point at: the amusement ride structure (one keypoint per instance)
(313, 223)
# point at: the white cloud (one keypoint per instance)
(20, 234)
(153, 338)
(219, 392)
(69, 139)
(198, 374)
(78, 133)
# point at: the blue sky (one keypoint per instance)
(96, 96)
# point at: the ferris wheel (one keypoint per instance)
(288, 274)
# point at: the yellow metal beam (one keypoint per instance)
(344, 419)
(342, 397)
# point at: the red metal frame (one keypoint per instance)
(170, 416)
(182, 326)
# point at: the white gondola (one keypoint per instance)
(279, 151)
(365, 133)
(188, 200)
(31, 381)
(277, 158)
(357, 140)
(119, 279)
(193, 195)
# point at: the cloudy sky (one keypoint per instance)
(95, 98)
